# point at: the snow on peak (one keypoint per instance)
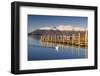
(48, 28)
(64, 28)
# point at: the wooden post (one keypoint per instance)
(55, 38)
(79, 39)
(86, 38)
(67, 39)
(42, 37)
(63, 38)
(51, 38)
(48, 37)
(73, 38)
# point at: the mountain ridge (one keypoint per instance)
(58, 29)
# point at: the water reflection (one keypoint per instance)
(60, 47)
(55, 50)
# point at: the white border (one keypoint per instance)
(26, 65)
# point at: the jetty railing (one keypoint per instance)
(72, 39)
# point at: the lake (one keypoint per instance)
(38, 50)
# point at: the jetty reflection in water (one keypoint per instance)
(39, 50)
(63, 47)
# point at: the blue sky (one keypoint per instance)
(38, 21)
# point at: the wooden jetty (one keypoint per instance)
(75, 38)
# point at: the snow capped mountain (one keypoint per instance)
(48, 28)
(64, 28)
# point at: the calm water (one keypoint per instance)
(38, 50)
